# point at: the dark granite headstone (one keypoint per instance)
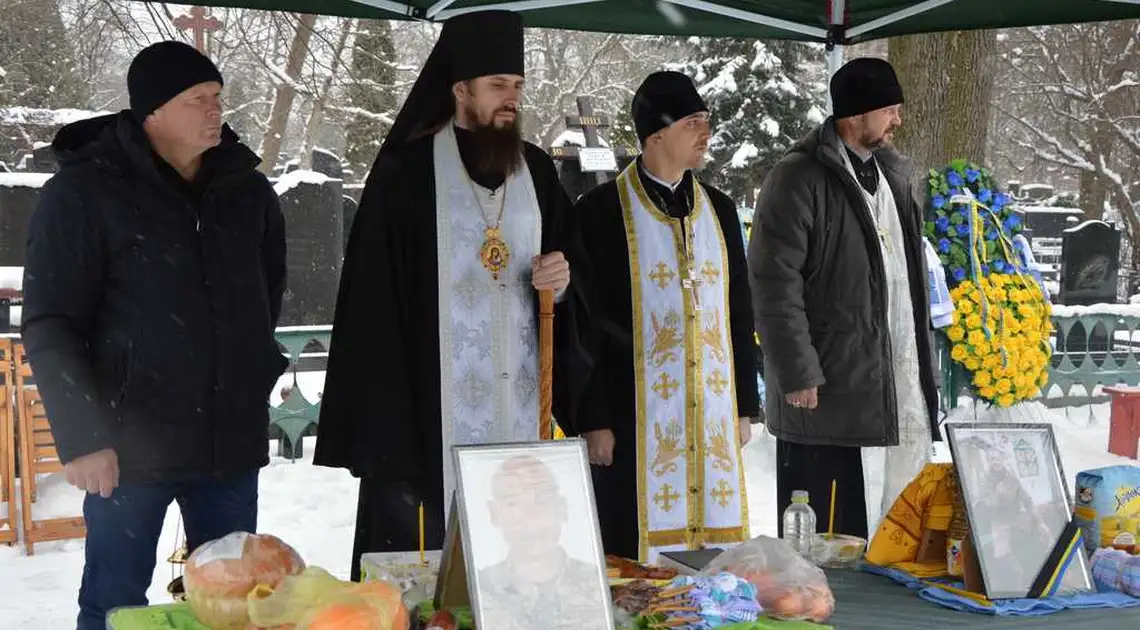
(314, 231)
(43, 160)
(327, 163)
(349, 214)
(1090, 265)
(19, 196)
(1048, 222)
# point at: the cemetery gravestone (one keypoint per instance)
(327, 164)
(18, 200)
(1090, 265)
(347, 216)
(43, 159)
(314, 233)
(593, 162)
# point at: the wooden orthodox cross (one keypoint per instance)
(199, 23)
(590, 159)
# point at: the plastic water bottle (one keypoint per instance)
(799, 523)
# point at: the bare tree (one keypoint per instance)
(286, 79)
(1071, 110)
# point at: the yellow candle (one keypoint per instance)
(422, 559)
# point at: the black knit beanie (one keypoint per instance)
(164, 70)
(662, 99)
(863, 85)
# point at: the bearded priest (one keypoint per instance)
(673, 392)
(435, 339)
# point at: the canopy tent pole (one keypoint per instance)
(837, 18)
(390, 5)
(897, 16)
(522, 5)
(748, 16)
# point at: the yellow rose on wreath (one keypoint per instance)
(973, 364)
(981, 348)
(965, 306)
(987, 392)
(973, 321)
(982, 378)
(975, 337)
(955, 333)
(958, 352)
(1005, 400)
(1004, 385)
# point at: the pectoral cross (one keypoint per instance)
(883, 239)
(693, 283)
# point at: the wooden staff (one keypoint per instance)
(545, 364)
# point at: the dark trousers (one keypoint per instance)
(812, 468)
(123, 531)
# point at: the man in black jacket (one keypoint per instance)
(154, 277)
(842, 310)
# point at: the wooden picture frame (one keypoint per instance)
(1018, 504)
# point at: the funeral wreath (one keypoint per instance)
(1001, 323)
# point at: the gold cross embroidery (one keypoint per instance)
(723, 493)
(710, 272)
(717, 382)
(662, 275)
(667, 497)
(666, 385)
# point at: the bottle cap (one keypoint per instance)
(799, 496)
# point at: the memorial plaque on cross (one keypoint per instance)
(198, 22)
(594, 158)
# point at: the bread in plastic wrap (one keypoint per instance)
(221, 573)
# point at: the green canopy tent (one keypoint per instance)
(834, 23)
(825, 21)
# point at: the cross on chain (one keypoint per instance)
(723, 493)
(199, 23)
(666, 385)
(693, 283)
(667, 497)
(662, 275)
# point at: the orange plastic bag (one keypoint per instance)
(315, 600)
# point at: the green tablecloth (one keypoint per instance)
(863, 602)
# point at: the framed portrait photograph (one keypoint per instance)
(1018, 504)
(530, 537)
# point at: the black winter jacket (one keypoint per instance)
(819, 297)
(150, 304)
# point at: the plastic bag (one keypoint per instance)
(221, 573)
(787, 586)
(315, 600)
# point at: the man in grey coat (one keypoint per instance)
(841, 305)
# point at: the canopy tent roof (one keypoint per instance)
(806, 20)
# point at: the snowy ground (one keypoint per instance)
(314, 509)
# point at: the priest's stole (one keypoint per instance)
(690, 481)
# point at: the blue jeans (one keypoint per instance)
(123, 531)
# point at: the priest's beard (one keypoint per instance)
(498, 150)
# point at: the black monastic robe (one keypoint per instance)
(609, 400)
(380, 410)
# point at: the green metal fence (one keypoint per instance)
(296, 416)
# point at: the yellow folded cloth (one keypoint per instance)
(927, 503)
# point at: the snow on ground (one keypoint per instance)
(314, 509)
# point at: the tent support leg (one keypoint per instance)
(836, 35)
